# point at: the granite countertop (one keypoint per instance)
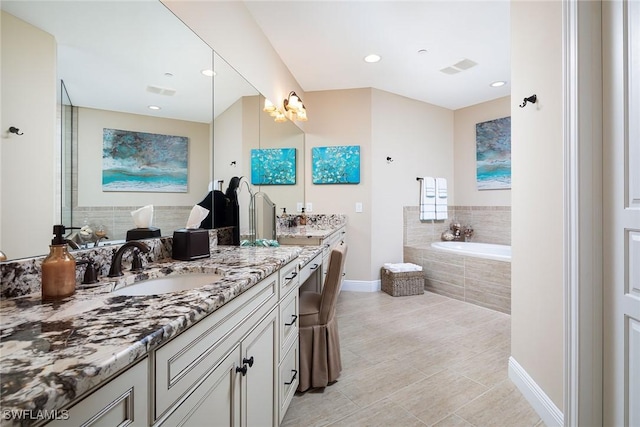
(299, 232)
(50, 353)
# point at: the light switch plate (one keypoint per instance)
(299, 207)
(309, 207)
(358, 207)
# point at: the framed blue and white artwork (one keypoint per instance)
(273, 166)
(335, 165)
(493, 154)
(144, 162)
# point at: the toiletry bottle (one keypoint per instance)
(58, 268)
(303, 218)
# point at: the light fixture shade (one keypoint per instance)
(279, 118)
(302, 115)
(268, 106)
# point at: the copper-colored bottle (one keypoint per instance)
(58, 269)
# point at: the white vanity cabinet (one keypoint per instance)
(226, 361)
(122, 401)
(329, 244)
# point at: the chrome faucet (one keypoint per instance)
(72, 243)
(116, 262)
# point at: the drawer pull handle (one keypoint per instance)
(242, 370)
(248, 361)
(295, 317)
(293, 378)
(314, 266)
(293, 275)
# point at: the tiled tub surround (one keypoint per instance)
(479, 281)
(491, 224)
(22, 276)
(52, 353)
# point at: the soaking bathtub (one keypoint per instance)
(479, 250)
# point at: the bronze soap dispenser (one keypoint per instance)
(58, 268)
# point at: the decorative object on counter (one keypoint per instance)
(457, 232)
(143, 218)
(273, 166)
(302, 218)
(190, 244)
(15, 130)
(140, 161)
(400, 280)
(447, 236)
(58, 268)
(335, 165)
(3, 257)
(261, 242)
(467, 232)
(532, 99)
(493, 154)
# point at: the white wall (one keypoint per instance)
(91, 123)
(465, 120)
(537, 196)
(28, 83)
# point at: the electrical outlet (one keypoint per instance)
(309, 207)
(358, 207)
(299, 207)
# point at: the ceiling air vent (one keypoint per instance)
(465, 64)
(161, 90)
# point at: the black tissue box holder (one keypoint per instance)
(190, 244)
(143, 233)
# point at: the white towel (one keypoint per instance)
(402, 267)
(441, 199)
(427, 198)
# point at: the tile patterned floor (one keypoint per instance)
(423, 360)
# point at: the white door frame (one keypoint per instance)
(583, 265)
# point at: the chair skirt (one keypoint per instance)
(320, 362)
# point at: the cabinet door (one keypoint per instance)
(122, 401)
(259, 405)
(216, 401)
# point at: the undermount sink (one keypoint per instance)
(164, 285)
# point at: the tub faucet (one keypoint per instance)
(116, 262)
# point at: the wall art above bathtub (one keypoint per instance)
(493, 154)
(335, 165)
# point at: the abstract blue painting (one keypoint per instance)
(273, 166)
(336, 165)
(147, 162)
(493, 154)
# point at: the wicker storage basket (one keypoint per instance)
(402, 283)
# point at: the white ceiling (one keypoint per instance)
(110, 52)
(324, 42)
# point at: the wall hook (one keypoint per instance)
(389, 159)
(532, 99)
(15, 130)
(233, 163)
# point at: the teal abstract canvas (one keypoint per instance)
(144, 162)
(493, 154)
(335, 165)
(273, 166)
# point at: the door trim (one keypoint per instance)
(583, 265)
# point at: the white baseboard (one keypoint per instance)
(537, 398)
(360, 285)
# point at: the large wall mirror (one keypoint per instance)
(117, 59)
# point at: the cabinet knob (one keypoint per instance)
(242, 370)
(294, 317)
(248, 361)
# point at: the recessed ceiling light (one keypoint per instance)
(168, 74)
(422, 51)
(372, 58)
(498, 83)
(208, 73)
(154, 107)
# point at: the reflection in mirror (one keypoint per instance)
(263, 217)
(67, 133)
(149, 58)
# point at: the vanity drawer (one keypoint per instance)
(192, 355)
(311, 267)
(288, 277)
(288, 379)
(288, 321)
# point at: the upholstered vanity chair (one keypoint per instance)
(320, 363)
